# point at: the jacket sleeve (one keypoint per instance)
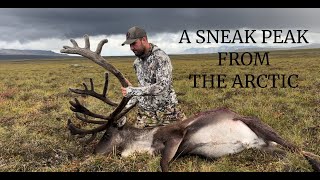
(131, 102)
(163, 80)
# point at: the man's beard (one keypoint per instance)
(139, 53)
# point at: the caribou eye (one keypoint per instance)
(106, 136)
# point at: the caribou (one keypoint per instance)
(212, 134)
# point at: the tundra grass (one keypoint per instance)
(34, 108)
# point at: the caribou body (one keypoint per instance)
(213, 133)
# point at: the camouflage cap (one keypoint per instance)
(134, 34)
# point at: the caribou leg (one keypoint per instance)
(266, 132)
(171, 147)
(272, 148)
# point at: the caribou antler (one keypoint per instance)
(78, 108)
(91, 92)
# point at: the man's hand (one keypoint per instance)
(124, 90)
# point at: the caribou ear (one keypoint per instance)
(121, 122)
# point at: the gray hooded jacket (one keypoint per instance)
(154, 73)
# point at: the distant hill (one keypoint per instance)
(243, 48)
(11, 54)
(28, 52)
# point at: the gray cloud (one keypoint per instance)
(33, 24)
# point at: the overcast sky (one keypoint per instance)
(50, 29)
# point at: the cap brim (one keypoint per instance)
(129, 41)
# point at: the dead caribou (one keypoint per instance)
(212, 133)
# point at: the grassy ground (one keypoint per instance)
(34, 109)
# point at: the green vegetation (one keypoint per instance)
(34, 108)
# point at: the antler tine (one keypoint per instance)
(85, 86)
(91, 84)
(85, 119)
(125, 111)
(92, 93)
(87, 42)
(120, 107)
(77, 131)
(77, 107)
(75, 44)
(106, 83)
(100, 45)
(65, 48)
(82, 132)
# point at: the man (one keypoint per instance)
(156, 98)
